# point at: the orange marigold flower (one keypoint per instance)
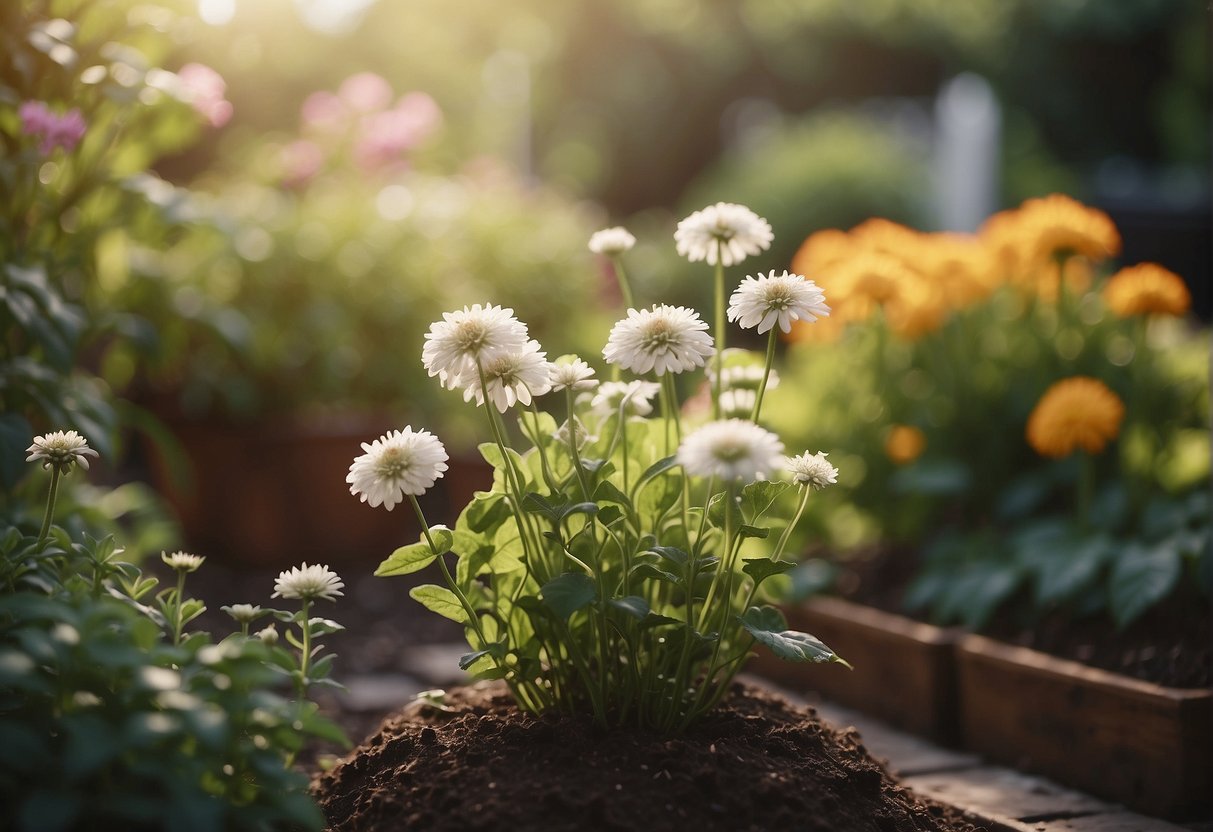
(1147, 289)
(1058, 226)
(820, 250)
(904, 444)
(1075, 413)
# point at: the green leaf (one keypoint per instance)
(939, 478)
(758, 497)
(716, 508)
(753, 531)
(762, 568)
(567, 593)
(657, 468)
(1141, 578)
(672, 554)
(633, 605)
(1072, 572)
(607, 492)
(487, 511)
(767, 626)
(649, 571)
(441, 600)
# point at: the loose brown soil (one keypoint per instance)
(756, 763)
(1166, 646)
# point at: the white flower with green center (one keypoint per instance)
(464, 340)
(732, 231)
(243, 613)
(662, 339)
(182, 561)
(737, 403)
(573, 374)
(635, 397)
(730, 450)
(60, 450)
(813, 470)
(398, 463)
(611, 242)
(308, 583)
(512, 378)
(769, 300)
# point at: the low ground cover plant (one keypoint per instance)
(618, 565)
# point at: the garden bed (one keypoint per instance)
(757, 762)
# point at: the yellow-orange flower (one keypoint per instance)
(820, 250)
(904, 444)
(1075, 413)
(916, 312)
(1058, 225)
(1147, 289)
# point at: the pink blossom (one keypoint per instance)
(64, 131)
(301, 160)
(324, 111)
(386, 136)
(365, 92)
(205, 90)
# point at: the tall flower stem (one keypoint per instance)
(473, 621)
(305, 658)
(720, 332)
(624, 288)
(574, 451)
(51, 496)
(766, 375)
(805, 490)
(178, 600)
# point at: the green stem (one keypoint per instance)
(573, 449)
(473, 620)
(51, 496)
(177, 602)
(766, 374)
(305, 660)
(624, 287)
(1086, 488)
(720, 333)
(787, 532)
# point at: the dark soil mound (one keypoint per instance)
(756, 763)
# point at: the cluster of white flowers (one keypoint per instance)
(457, 347)
(747, 377)
(398, 463)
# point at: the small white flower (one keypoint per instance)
(612, 241)
(767, 300)
(512, 377)
(635, 397)
(662, 339)
(268, 635)
(813, 470)
(573, 375)
(738, 403)
(731, 449)
(398, 463)
(60, 450)
(243, 613)
(579, 430)
(464, 340)
(747, 377)
(182, 561)
(308, 583)
(733, 230)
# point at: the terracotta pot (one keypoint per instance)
(275, 495)
(905, 671)
(1143, 745)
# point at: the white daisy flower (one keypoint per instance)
(398, 463)
(573, 375)
(731, 449)
(308, 583)
(268, 635)
(612, 241)
(813, 470)
(747, 377)
(182, 561)
(512, 377)
(635, 397)
(739, 232)
(662, 339)
(466, 339)
(738, 403)
(767, 300)
(243, 613)
(60, 450)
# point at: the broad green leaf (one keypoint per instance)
(758, 497)
(1142, 576)
(487, 511)
(609, 514)
(716, 508)
(441, 600)
(407, 559)
(762, 568)
(1074, 571)
(753, 531)
(567, 593)
(656, 469)
(767, 626)
(672, 554)
(607, 492)
(633, 605)
(649, 571)
(936, 478)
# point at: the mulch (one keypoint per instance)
(755, 763)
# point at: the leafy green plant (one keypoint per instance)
(618, 566)
(114, 716)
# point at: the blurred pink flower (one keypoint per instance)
(205, 89)
(386, 136)
(365, 92)
(301, 160)
(323, 111)
(64, 131)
